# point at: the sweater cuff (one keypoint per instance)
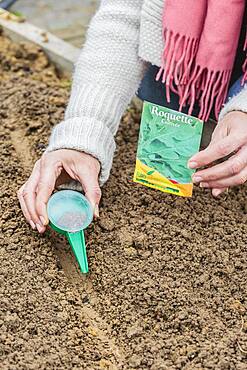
(236, 103)
(86, 135)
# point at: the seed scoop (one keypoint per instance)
(70, 213)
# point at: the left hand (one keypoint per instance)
(229, 138)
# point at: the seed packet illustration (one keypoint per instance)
(167, 140)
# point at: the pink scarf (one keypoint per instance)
(201, 39)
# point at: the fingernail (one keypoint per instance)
(196, 179)
(204, 185)
(192, 165)
(40, 228)
(96, 211)
(217, 192)
(32, 224)
(43, 221)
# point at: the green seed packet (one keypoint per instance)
(167, 140)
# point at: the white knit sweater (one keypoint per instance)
(123, 35)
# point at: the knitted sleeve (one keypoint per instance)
(106, 77)
(236, 103)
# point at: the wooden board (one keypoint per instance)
(63, 54)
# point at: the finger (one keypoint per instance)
(29, 195)
(227, 182)
(216, 150)
(49, 172)
(228, 168)
(217, 192)
(90, 183)
(24, 208)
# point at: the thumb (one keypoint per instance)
(90, 185)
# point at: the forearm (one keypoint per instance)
(106, 77)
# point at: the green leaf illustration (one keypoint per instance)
(166, 144)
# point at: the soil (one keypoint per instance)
(168, 282)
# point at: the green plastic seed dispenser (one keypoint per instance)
(70, 213)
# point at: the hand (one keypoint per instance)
(53, 169)
(229, 138)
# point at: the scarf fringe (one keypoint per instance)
(208, 88)
(177, 59)
(245, 64)
(191, 82)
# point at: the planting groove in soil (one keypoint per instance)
(167, 282)
(65, 257)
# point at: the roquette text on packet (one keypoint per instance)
(167, 140)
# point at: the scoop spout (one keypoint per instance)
(77, 242)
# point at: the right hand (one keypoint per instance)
(53, 169)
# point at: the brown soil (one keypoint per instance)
(167, 283)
